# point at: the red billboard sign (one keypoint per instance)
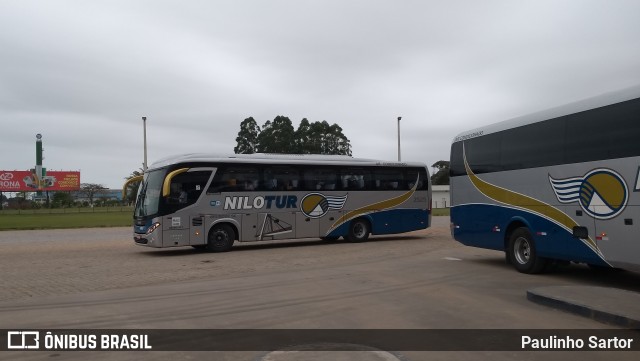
(26, 181)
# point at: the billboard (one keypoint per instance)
(26, 181)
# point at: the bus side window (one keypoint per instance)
(235, 179)
(354, 179)
(412, 176)
(388, 179)
(281, 178)
(320, 179)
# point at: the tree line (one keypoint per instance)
(92, 194)
(279, 136)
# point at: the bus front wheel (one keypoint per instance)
(221, 238)
(522, 252)
(359, 230)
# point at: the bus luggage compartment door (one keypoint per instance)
(280, 225)
(307, 227)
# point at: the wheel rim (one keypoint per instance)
(522, 250)
(220, 238)
(359, 230)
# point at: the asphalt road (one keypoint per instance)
(99, 279)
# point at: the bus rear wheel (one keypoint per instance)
(522, 252)
(359, 230)
(220, 238)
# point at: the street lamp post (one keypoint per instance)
(399, 158)
(144, 130)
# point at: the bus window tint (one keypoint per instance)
(355, 179)
(320, 179)
(388, 179)
(280, 178)
(235, 179)
(623, 137)
(185, 189)
(412, 175)
(483, 153)
(547, 138)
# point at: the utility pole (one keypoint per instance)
(144, 130)
(38, 169)
(399, 158)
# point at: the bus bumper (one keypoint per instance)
(152, 236)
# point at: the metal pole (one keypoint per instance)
(144, 126)
(39, 161)
(399, 158)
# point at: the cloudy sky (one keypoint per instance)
(83, 73)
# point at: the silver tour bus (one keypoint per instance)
(210, 201)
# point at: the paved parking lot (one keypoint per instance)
(57, 262)
(423, 280)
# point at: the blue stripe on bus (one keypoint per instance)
(486, 227)
(390, 222)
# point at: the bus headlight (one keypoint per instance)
(153, 227)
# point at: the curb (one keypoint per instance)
(605, 305)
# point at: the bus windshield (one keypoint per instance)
(149, 195)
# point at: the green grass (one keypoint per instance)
(436, 212)
(9, 221)
(85, 218)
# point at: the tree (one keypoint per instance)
(247, 140)
(441, 176)
(132, 188)
(3, 200)
(335, 142)
(322, 138)
(302, 138)
(277, 136)
(62, 199)
(91, 190)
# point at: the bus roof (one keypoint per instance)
(571, 108)
(264, 158)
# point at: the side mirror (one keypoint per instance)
(580, 232)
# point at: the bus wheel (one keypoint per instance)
(522, 252)
(221, 238)
(359, 230)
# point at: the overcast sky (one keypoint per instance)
(83, 73)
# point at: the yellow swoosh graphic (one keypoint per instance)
(386, 204)
(522, 201)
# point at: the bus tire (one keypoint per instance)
(359, 230)
(522, 252)
(220, 238)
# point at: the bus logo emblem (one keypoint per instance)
(316, 205)
(601, 193)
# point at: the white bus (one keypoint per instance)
(208, 201)
(556, 186)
